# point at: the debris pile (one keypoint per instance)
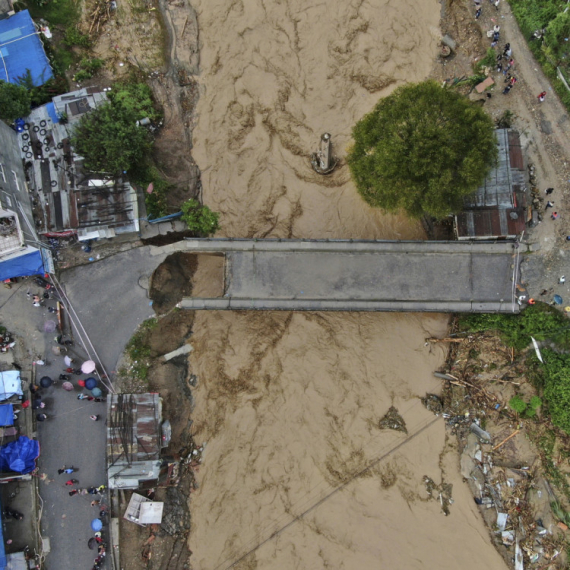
(393, 420)
(504, 458)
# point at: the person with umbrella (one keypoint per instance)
(88, 367)
(46, 382)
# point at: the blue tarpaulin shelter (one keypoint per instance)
(6, 415)
(22, 49)
(20, 455)
(30, 263)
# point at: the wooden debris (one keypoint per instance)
(505, 440)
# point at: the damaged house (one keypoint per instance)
(73, 199)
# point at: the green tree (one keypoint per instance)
(109, 139)
(14, 101)
(421, 150)
(199, 219)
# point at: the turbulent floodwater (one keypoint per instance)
(289, 404)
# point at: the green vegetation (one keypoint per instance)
(136, 97)
(156, 204)
(14, 101)
(421, 150)
(199, 219)
(490, 60)
(556, 381)
(139, 354)
(524, 409)
(73, 37)
(57, 12)
(88, 67)
(540, 321)
(110, 140)
(553, 50)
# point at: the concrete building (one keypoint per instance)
(74, 200)
(20, 249)
(133, 440)
(498, 209)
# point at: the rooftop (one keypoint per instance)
(11, 237)
(21, 49)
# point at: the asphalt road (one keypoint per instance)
(110, 300)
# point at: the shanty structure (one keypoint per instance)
(21, 253)
(498, 209)
(21, 49)
(75, 200)
(133, 440)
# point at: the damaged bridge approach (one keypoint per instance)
(358, 275)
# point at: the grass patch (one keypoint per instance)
(541, 321)
(62, 13)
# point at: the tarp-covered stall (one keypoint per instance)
(22, 264)
(19, 456)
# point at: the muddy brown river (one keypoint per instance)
(289, 403)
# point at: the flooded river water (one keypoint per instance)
(289, 404)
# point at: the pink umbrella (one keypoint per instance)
(87, 367)
(67, 386)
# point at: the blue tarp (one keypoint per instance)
(50, 108)
(6, 415)
(22, 266)
(20, 455)
(10, 384)
(22, 49)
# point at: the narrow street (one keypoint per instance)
(69, 437)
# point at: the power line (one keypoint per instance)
(328, 495)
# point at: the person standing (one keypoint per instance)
(41, 417)
(542, 96)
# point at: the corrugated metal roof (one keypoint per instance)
(497, 208)
(133, 428)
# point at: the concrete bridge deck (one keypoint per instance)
(350, 275)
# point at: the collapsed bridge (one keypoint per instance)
(358, 275)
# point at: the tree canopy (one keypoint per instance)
(109, 139)
(14, 101)
(421, 150)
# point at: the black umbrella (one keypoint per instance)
(46, 382)
(92, 544)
